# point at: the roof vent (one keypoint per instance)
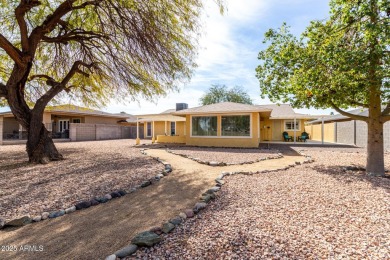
(181, 106)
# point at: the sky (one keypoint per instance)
(229, 47)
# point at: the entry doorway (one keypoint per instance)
(276, 130)
(63, 124)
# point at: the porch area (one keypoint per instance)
(162, 128)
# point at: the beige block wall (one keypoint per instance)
(220, 141)
(82, 132)
(105, 132)
(315, 132)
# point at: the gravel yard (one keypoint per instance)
(225, 155)
(90, 169)
(312, 211)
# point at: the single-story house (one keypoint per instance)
(344, 130)
(71, 122)
(224, 124)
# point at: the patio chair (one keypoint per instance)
(286, 137)
(304, 136)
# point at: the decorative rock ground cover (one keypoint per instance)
(225, 156)
(86, 173)
(85, 204)
(170, 226)
(313, 211)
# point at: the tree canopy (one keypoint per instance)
(221, 93)
(340, 62)
(91, 51)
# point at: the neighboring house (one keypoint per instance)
(224, 124)
(71, 122)
(344, 130)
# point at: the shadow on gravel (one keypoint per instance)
(340, 174)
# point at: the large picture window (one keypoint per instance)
(204, 126)
(235, 126)
(289, 125)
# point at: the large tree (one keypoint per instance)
(341, 62)
(92, 51)
(221, 93)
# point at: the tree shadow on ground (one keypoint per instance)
(340, 173)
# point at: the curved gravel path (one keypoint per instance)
(99, 231)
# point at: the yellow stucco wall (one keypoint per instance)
(220, 141)
(315, 132)
(171, 139)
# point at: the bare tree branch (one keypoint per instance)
(20, 12)
(353, 116)
(74, 35)
(11, 50)
(3, 90)
(49, 80)
(57, 87)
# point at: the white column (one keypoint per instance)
(322, 131)
(295, 129)
(137, 141)
(20, 132)
(258, 132)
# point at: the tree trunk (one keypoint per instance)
(375, 150)
(40, 146)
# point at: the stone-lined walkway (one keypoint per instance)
(99, 231)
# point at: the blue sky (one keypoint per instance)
(229, 47)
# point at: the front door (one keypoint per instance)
(276, 130)
(63, 125)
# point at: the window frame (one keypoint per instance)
(292, 122)
(237, 136)
(147, 129)
(203, 136)
(174, 123)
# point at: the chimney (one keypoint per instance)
(181, 106)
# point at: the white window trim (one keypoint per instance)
(170, 127)
(292, 121)
(220, 126)
(151, 129)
